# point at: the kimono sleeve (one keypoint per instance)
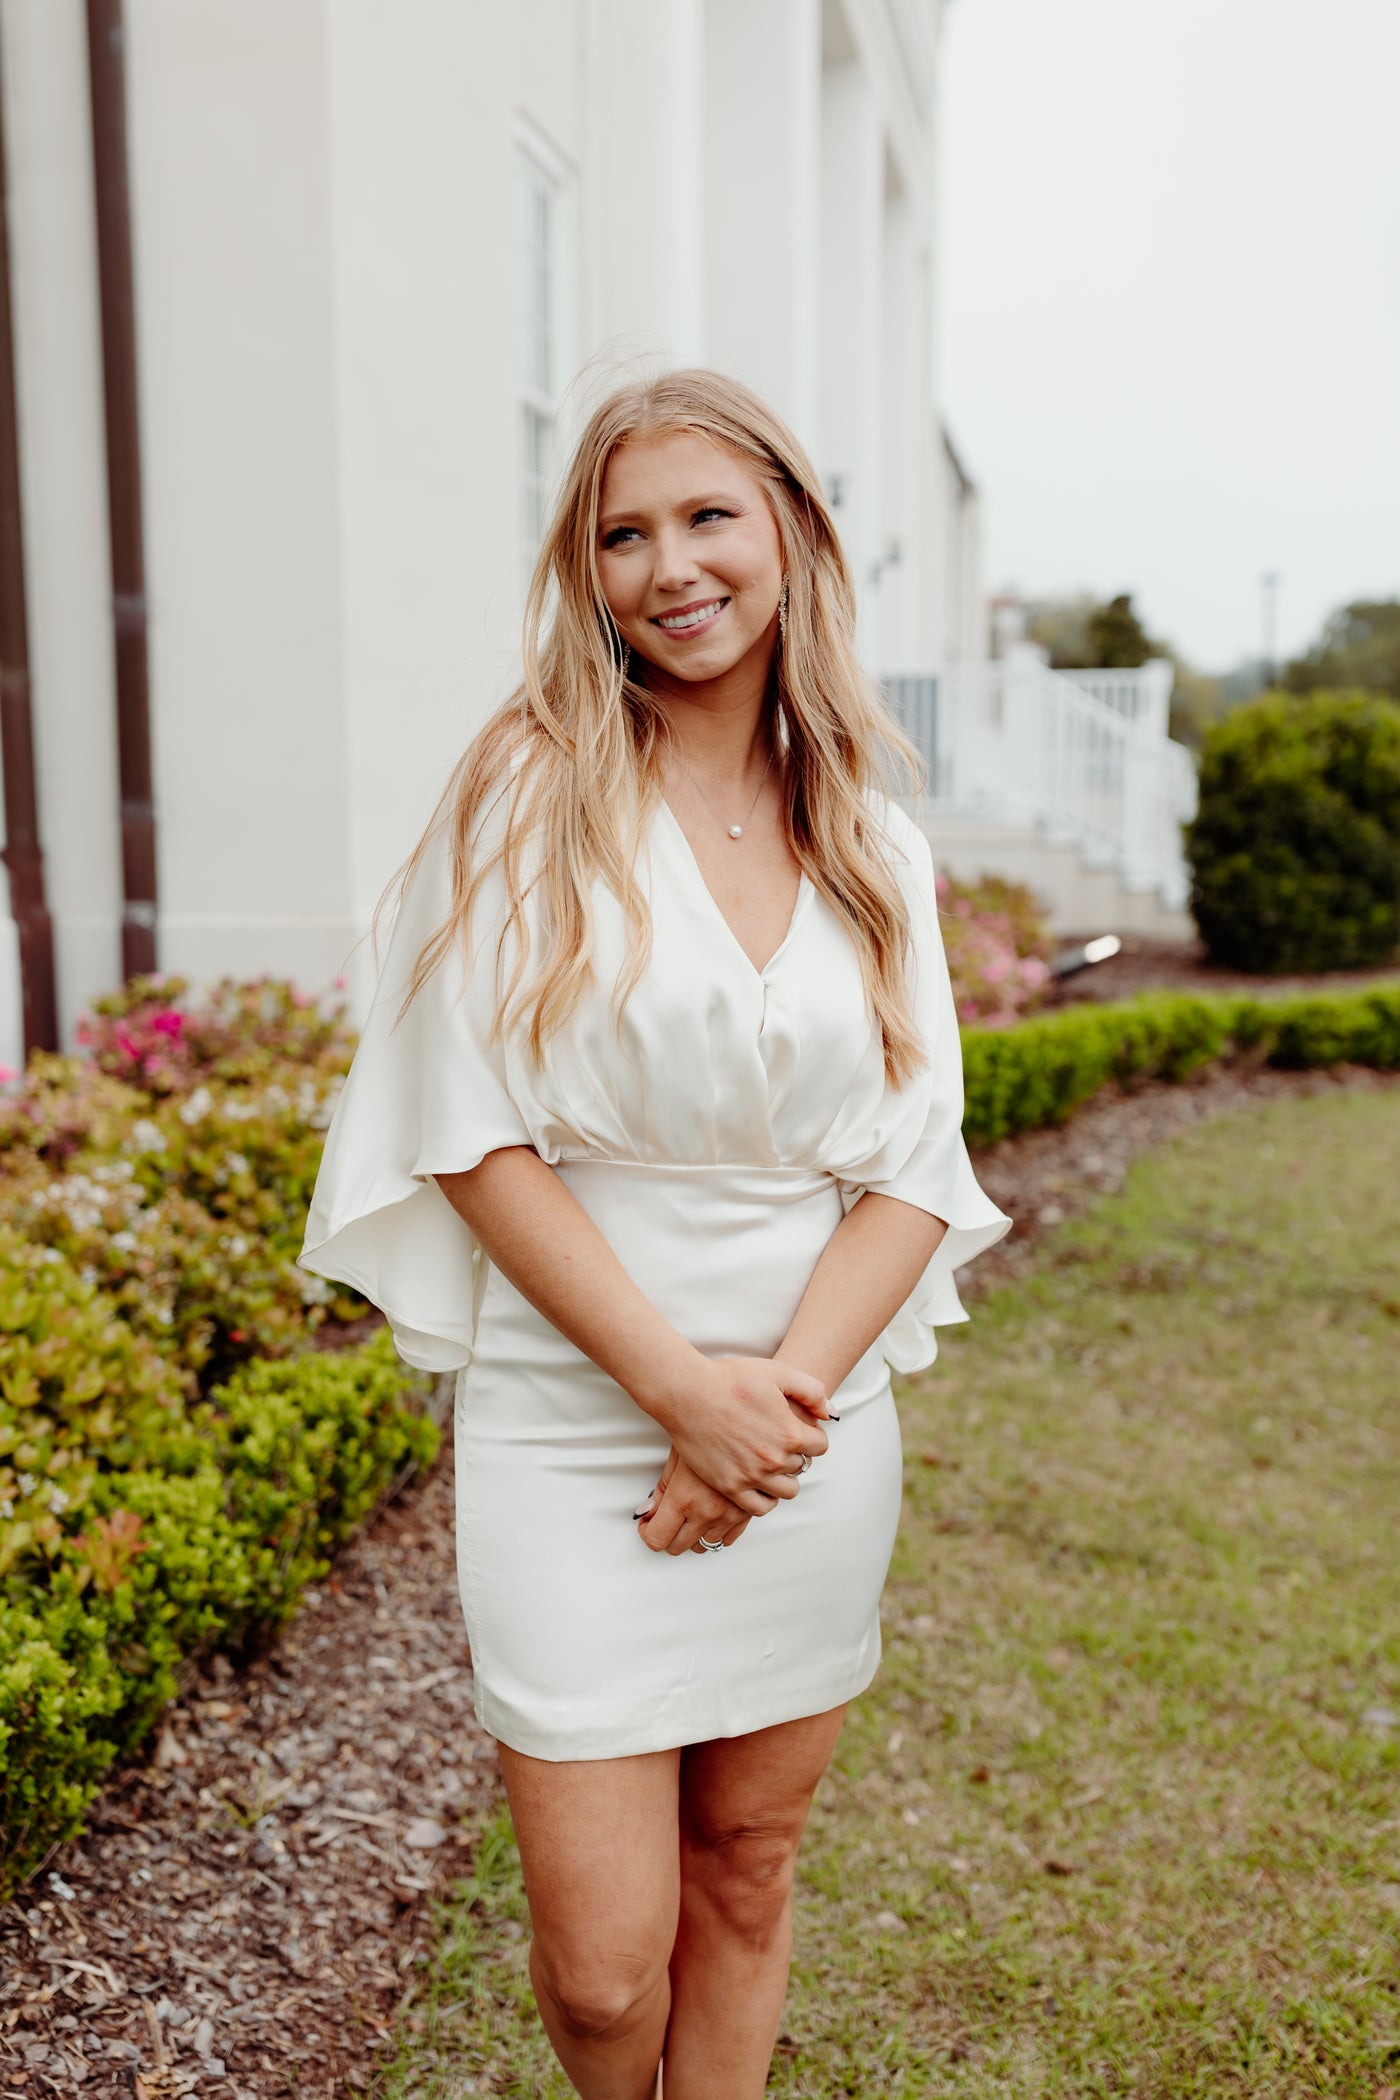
(936, 1175)
(428, 1096)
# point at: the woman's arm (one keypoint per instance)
(868, 1269)
(728, 1417)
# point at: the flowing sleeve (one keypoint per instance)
(426, 1097)
(935, 1173)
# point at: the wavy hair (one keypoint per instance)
(578, 750)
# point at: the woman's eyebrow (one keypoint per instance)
(688, 503)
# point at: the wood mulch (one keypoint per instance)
(249, 1903)
(1143, 965)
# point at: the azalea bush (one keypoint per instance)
(173, 1162)
(998, 948)
(159, 1034)
(176, 1460)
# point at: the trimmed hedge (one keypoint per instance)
(140, 1530)
(1038, 1072)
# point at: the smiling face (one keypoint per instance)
(689, 556)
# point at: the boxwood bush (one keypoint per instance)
(1295, 848)
(138, 1528)
(1039, 1072)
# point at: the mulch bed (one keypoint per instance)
(245, 1912)
(1144, 965)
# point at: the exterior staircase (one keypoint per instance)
(1064, 780)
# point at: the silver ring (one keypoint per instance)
(805, 1462)
(711, 1545)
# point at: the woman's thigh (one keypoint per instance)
(599, 1849)
(746, 1798)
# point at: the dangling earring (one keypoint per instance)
(626, 661)
(783, 611)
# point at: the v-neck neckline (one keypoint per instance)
(804, 889)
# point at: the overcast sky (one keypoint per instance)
(1171, 302)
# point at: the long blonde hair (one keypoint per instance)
(579, 748)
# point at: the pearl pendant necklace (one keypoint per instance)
(735, 831)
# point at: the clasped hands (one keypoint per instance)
(738, 1440)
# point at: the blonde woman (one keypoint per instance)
(653, 1136)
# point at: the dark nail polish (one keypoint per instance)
(831, 1417)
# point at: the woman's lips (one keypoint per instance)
(692, 619)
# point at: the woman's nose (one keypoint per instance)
(673, 564)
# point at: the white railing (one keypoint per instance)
(1144, 696)
(1015, 742)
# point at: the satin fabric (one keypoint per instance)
(716, 1130)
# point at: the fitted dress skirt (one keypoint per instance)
(716, 1130)
(580, 1633)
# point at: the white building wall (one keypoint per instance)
(763, 191)
(328, 300)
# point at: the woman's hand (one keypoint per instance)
(682, 1509)
(738, 1433)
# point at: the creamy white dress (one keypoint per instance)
(716, 1139)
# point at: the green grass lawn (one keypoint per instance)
(1121, 1812)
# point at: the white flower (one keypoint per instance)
(27, 1483)
(124, 1242)
(58, 1502)
(235, 1163)
(147, 1136)
(7, 1509)
(199, 1104)
(314, 1289)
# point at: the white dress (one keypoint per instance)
(716, 1141)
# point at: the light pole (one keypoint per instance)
(1269, 588)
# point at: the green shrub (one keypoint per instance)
(188, 1209)
(1295, 849)
(1038, 1072)
(159, 1034)
(176, 1528)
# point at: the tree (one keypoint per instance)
(1117, 637)
(1359, 647)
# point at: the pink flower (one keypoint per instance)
(125, 1044)
(168, 1023)
(7, 1073)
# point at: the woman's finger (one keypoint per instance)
(801, 1386)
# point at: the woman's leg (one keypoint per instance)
(598, 1846)
(743, 1804)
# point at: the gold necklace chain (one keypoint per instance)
(735, 831)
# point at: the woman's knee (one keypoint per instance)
(744, 1873)
(597, 1993)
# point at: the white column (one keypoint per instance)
(231, 201)
(426, 397)
(905, 584)
(642, 208)
(58, 356)
(852, 303)
(763, 68)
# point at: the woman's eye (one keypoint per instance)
(711, 510)
(619, 535)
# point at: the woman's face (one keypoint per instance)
(689, 555)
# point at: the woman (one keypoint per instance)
(662, 1154)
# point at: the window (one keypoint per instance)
(539, 248)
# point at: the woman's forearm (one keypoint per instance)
(868, 1269)
(538, 1234)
